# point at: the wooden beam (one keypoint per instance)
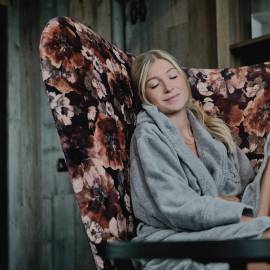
(223, 33)
(202, 34)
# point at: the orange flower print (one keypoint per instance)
(59, 48)
(110, 141)
(235, 116)
(257, 114)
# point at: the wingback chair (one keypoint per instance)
(87, 80)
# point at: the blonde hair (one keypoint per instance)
(139, 70)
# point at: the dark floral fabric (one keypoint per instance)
(89, 91)
(88, 84)
(241, 97)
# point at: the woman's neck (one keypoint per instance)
(181, 121)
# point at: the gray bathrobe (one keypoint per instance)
(174, 192)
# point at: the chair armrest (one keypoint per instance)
(235, 252)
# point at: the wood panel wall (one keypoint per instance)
(45, 229)
(185, 28)
(24, 165)
(96, 14)
(233, 26)
(3, 136)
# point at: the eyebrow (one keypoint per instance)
(155, 76)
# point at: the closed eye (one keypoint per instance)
(154, 86)
(171, 78)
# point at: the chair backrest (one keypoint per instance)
(241, 97)
(94, 108)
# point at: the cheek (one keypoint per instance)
(184, 87)
(151, 96)
(182, 83)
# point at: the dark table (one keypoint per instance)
(235, 252)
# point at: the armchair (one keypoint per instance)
(94, 108)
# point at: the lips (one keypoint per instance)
(170, 98)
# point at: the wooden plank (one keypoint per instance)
(62, 7)
(47, 131)
(64, 244)
(23, 129)
(241, 9)
(177, 12)
(118, 36)
(240, 25)
(223, 33)
(178, 43)
(3, 138)
(159, 39)
(47, 234)
(47, 11)
(13, 107)
(82, 246)
(233, 26)
(30, 135)
(103, 21)
(202, 34)
(84, 11)
(95, 14)
(133, 43)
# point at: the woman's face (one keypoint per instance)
(166, 87)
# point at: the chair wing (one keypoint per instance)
(88, 86)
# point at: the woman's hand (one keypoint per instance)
(229, 198)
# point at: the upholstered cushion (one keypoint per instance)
(241, 96)
(88, 85)
(94, 108)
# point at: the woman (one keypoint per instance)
(189, 181)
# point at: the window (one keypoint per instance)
(260, 18)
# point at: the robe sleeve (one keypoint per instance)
(245, 169)
(158, 190)
(251, 194)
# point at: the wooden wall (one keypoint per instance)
(185, 28)
(24, 167)
(197, 33)
(233, 26)
(45, 230)
(3, 135)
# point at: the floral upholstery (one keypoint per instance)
(94, 108)
(240, 96)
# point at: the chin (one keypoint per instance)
(172, 111)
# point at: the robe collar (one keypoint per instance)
(206, 145)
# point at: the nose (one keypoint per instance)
(168, 87)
